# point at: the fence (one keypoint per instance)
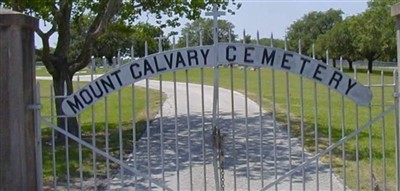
(277, 131)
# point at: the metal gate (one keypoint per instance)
(248, 124)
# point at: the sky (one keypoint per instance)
(275, 16)
(266, 16)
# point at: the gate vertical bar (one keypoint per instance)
(289, 130)
(203, 117)
(66, 143)
(215, 13)
(357, 140)
(371, 163)
(233, 117)
(53, 145)
(188, 121)
(146, 53)
(303, 172)
(396, 12)
(329, 128)
(260, 100)
(80, 158)
(120, 132)
(160, 49)
(106, 130)
(133, 98)
(246, 115)
(94, 160)
(383, 130)
(176, 125)
(315, 124)
(343, 127)
(38, 131)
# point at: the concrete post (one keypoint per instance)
(18, 169)
(396, 13)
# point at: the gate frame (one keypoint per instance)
(395, 12)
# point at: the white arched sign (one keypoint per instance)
(204, 56)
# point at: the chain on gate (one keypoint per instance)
(218, 141)
(218, 138)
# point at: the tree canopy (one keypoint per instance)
(340, 41)
(118, 37)
(369, 35)
(278, 43)
(144, 32)
(375, 32)
(310, 26)
(206, 27)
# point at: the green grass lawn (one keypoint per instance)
(351, 114)
(41, 71)
(96, 118)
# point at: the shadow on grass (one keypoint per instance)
(85, 164)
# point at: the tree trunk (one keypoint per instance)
(370, 65)
(322, 59)
(334, 62)
(109, 60)
(350, 65)
(61, 82)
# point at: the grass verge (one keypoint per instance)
(117, 117)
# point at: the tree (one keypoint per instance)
(381, 9)
(278, 43)
(375, 34)
(60, 64)
(144, 32)
(115, 37)
(119, 36)
(206, 26)
(340, 41)
(370, 35)
(310, 26)
(247, 39)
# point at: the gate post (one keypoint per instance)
(396, 13)
(18, 169)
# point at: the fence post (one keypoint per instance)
(18, 169)
(396, 13)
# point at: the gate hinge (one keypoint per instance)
(35, 106)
